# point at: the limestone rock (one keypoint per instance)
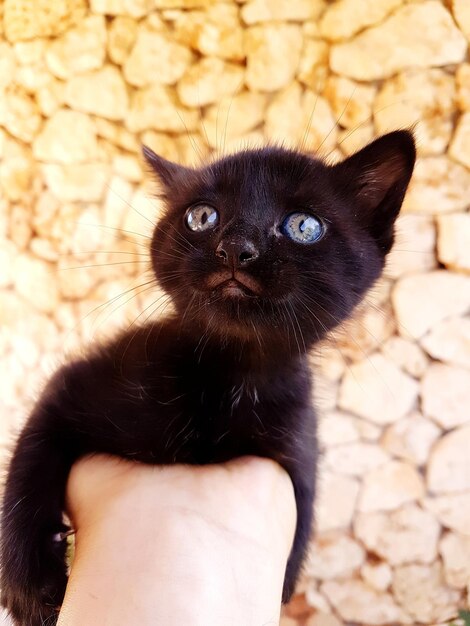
(357, 602)
(390, 486)
(233, 117)
(36, 282)
(337, 428)
(355, 459)
(453, 511)
(462, 79)
(336, 501)
(156, 108)
(83, 181)
(214, 32)
(439, 185)
(455, 551)
(351, 102)
(318, 129)
(16, 177)
(273, 54)
(19, 114)
(377, 390)
(313, 64)
(256, 11)
(130, 8)
(461, 11)
(422, 300)
(459, 148)
(350, 141)
(421, 591)
(8, 255)
(407, 355)
(345, 18)
(334, 555)
(209, 81)
(156, 58)
(122, 34)
(377, 575)
(404, 536)
(390, 47)
(322, 619)
(454, 235)
(80, 49)
(181, 4)
(422, 97)
(411, 438)
(50, 97)
(414, 247)
(445, 392)
(7, 65)
(26, 19)
(67, 137)
(449, 466)
(449, 341)
(80, 93)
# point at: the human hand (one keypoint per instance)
(193, 545)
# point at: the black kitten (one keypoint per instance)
(262, 252)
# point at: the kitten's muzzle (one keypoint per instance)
(233, 280)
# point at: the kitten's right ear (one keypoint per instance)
(166, 171)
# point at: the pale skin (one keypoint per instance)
(199, 546)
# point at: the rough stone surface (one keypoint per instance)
(407, 535)
(452, 242)
(377, 390)
(355, 459)
(334, 555)
(422, 300)
(156, 108)
(438, 186)
(455, 551)
(345, 18)
(210, 81)
(67, 137)
(407, 355)
(449, 341)
(26, 19)
(80, 93)
(451, 510)
(156, 58)
(377, 575)
(411, 438)
(422, 98)
(29, 273)
(449, 465)
(390, 486)
(459, 149)
(446, 395)
(422, 592)
(396, 44)
(273, 54)
(357, 602)
(336, 501)
(414, 247)
(80, 49)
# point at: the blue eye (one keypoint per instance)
(202, 217)
(303, 228)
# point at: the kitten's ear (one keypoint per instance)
(377, 178)
(167, 171)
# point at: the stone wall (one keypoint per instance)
(83, 85)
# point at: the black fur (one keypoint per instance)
(226, 375)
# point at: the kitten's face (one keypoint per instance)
(272, 243)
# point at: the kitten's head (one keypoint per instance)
(271, 243)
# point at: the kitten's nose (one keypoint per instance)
(236, 253)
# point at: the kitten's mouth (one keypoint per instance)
(234, 283)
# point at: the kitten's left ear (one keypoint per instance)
(167, 171)
(377, 178)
